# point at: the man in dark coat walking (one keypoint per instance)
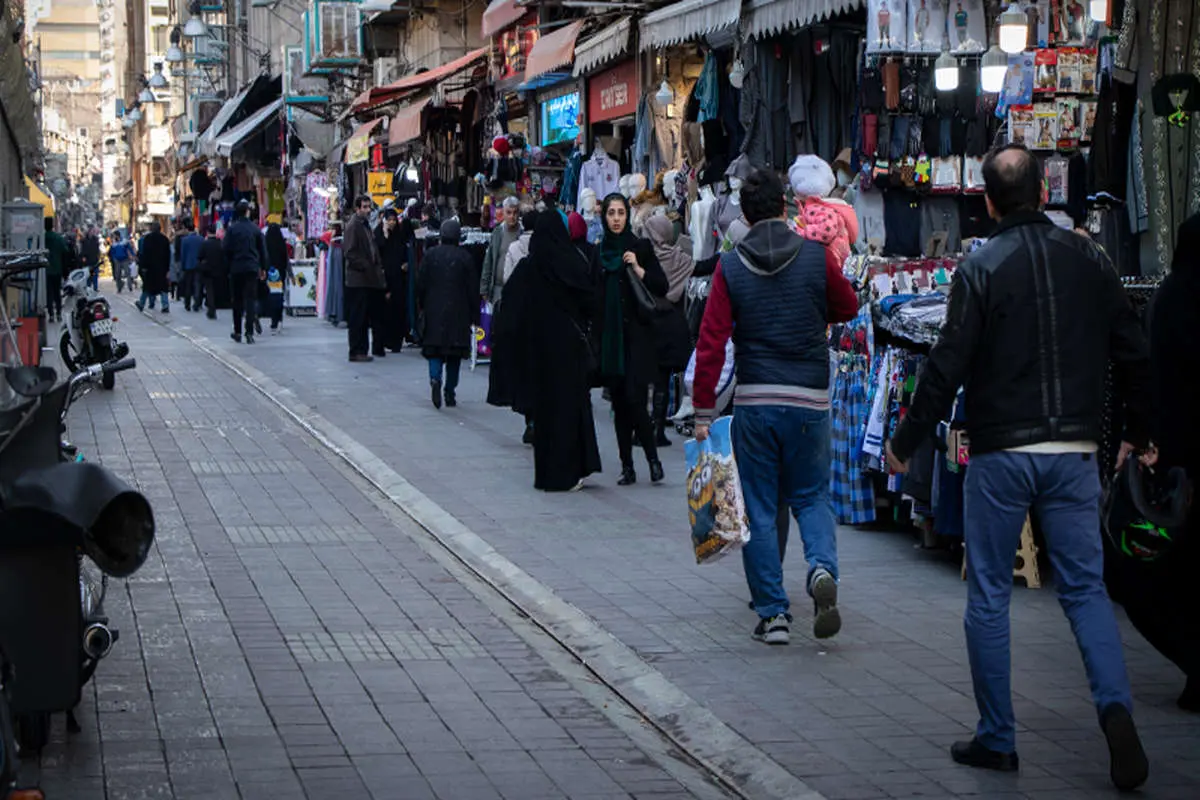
(213, 271)
(154, 262)
(366, 286)
(447, 298)
(246, 256)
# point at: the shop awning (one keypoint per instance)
(207, 144)
(499, 15)
(234, 137)
(406, 125)
(687, 20)
(769, 17)
(36, 195)
(382, 95)
(603, 47)
(358, 146)
(552, 50)
(317, 135)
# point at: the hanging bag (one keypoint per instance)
(646, 304)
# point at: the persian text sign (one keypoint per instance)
(613, 93)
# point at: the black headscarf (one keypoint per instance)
(1187, 247)
(276, 248)
(554, 256)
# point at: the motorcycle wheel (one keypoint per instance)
(33, 731)
(66, 351)
(102, 347)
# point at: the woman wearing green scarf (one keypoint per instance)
(628, 355)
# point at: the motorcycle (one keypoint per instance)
(88, 336)
(61, 520)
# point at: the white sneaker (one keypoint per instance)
(686, 409)
(774, 630)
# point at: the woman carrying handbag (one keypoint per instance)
(628, 278)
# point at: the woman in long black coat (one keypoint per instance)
(1162, 597)
(556, 295)
(447, 295)
(279, 274)
(393, 237)
(626, 347)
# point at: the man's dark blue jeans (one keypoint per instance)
(783, 452)
(1063, 490)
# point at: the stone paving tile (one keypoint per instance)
(888, 695)
(286, 640)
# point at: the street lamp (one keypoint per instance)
(135, 114)
(194, 28)
(175, 52)
(157, 80)
(146, 96)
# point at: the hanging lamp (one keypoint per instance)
(1098, 11)
(1014, 32)
(993, 68)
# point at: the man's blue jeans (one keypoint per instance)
(783, 452)
(452, 365)
(147, 297)
(1064, 492)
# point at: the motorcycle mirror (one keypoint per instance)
(31, 381)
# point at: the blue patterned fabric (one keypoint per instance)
(851, 490)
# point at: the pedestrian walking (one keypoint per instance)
(120, 255)
(175, 274)
(1034, 318)
(245, 253)
(392, 238)
(558, 304)
(189, 259)
(1161, 596)
(624, 333)
(212, 268)
(448, 301)
(154, 263)
(279, 274)
(491, 282)
(775, 293)
(89, 253)
(56, 253)
(670, 324)
(366, 285)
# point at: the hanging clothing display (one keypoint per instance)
(600, 174)
(851, 489)
(317, 218)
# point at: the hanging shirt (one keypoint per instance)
(601, 175)
(707, 90)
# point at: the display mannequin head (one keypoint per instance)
(587, 202)
(635, 186)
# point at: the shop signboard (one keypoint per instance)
(379, 186)
(560, 119)
(613, 94)
(514, 46)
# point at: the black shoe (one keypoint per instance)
(527, 437)
(974, 754)
(1128, 766)
(628, 476)
(660, 438)
(166, 311)
(258, 327)
(435, 392)
(376, 353)
(249, 338)
(827, 620)
(362, 358)
(451, 399)
(237, 337)
(1189, 700)
(656, 471)
(212, 315)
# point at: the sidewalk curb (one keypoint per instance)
(732, 760)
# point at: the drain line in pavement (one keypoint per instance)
(734, 762)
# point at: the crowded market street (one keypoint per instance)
(353, 594)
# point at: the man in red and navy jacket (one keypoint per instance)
(775, 294)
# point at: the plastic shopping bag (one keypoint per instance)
(725, 384)
(716, 508)
(483, 336)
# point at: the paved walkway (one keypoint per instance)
(294, 636)
(869, 715)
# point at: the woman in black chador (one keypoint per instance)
(392, 237)
(1162, 597)
(556, 300)
(627, 350)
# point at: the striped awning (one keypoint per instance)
(499, 15)
(406, 125)
(603, 47)
(687, 20)
(770, 17)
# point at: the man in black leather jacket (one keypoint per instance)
(1033, 320)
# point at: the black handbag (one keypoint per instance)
(647, 305)
(593, 363)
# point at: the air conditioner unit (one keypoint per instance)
(386, 70)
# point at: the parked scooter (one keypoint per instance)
(56, 510)
(88, 336)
